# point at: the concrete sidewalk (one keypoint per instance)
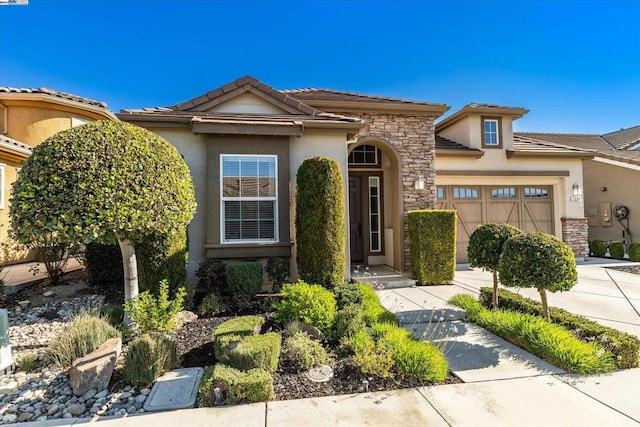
(504, 385)
(17, 276)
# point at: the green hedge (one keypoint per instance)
(432, 245)
(598, 247)
(320, 222)
(634, 251)
(624, 347)
(616, 250)
(255, 385)
(255, 351)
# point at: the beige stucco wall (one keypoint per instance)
(622, 183)
(247, 103)
(316, 143)
(32, 125)
(194, 150)
(468, 131)
(496, 160)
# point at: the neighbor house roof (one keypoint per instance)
(21, 93)
(197, 112)
(484, 109)
(337, 100)
(13, 149)
(532, 147)
(594, 143)
(623, 138)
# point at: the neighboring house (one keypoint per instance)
(611, 180)
(245, 141)
(28, 117)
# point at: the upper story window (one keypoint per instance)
(491, 132)
(249, 198)
(365, 155)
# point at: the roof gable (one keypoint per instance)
(245, 95)
(624, 138)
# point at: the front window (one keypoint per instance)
(490, 132)
(249, 198)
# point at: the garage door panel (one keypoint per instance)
(538, 216)
(507, 212)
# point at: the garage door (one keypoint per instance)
(530, 208)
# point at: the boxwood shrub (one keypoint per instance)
(616, 250)
(255, 385)
(598, 247)
(244, 281)
(254, 351)
(624, 347)
(634, 251)
(432, 246)
(309, 303)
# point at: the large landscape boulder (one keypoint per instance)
(94, 370)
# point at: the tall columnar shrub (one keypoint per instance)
(320, 222)
(538, 260)
(162, 256)
(485, 247)
(432, 245)
(105, 182)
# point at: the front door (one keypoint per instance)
(355, 218)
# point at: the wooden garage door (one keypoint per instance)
(529, 208)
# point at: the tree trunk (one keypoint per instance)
(130, 269)
(495, 290)
(545, 307)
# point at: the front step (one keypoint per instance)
(381, 277)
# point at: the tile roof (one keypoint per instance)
(5, 140)
(446, 144)
(51, 92)
(623, 138)
(342, 96)
(532, 145)
(590, 142)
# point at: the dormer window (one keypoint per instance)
(491, 132)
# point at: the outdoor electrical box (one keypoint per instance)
(606, 214)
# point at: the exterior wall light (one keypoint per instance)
(419, 183)
(576, 194)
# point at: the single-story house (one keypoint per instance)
(28, 116)
(611, 181)
(245, 141)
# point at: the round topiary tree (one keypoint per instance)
(538, 260)
(102, 182)
(320, 222)
(485, 247)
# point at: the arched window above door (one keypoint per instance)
(365, 156)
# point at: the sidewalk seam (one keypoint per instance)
(622, 292)
(434, 408)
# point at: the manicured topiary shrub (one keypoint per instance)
(634, 251)
(103, 263)
(84, 334)
(320, 222)
(243, 326)
(598, 247)
(148, 357)
(302, 353)
(538, 260)
(309, 303)
(485, 247)
(254, 351)
(162, 256)
(432, 246)
(624, 347)
(616, 250)
(236, 386)
(244, 280)
(104, 182)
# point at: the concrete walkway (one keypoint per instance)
(17, 276)
(504, 386)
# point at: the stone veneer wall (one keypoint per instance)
(575, 233)
(413, 137)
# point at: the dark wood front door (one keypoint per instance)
(355, 218)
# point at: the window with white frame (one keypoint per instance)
(375, 236)
(248, 198)
(490, 132)
(2, 189)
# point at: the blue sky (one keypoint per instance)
(574, 64)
